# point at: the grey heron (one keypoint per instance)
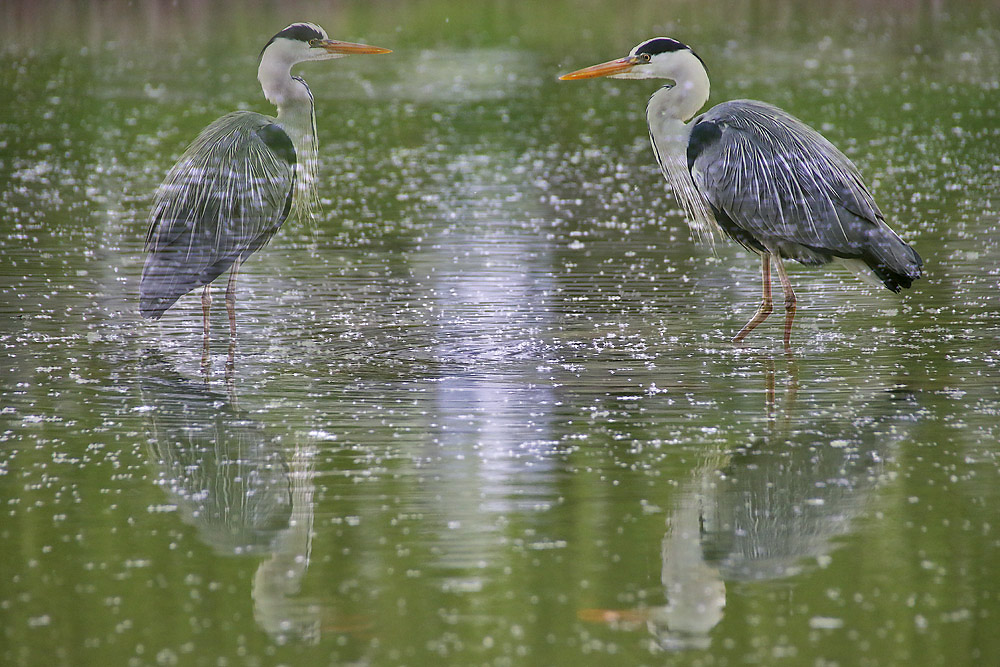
(760, 176)
(236, 183)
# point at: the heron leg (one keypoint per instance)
(231, 297)
(786, 285)
(206, 307)
(766, 305)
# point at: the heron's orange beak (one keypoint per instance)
(619, 66)
(333, 46)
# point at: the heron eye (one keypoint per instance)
(313, 42)
(645, 57)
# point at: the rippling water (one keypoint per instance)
(484, 409)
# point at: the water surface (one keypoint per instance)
(484, 409)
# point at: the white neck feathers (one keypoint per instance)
(296, 116)
(690, 90)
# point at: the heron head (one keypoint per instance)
(657, 58)
(301, 42)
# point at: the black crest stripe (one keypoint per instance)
(661, 45)
(297, 31)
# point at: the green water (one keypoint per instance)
(484, 409)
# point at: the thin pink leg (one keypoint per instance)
(786, 285)
(766, 306)
(206, 307)
(231, 298)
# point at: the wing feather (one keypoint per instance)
(784, 183)
(224, 199)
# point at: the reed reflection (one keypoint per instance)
(245, 490)
(767, 510)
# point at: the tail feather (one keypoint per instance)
(165, 279)
(890, 258)
(160, 288)
(153, 307)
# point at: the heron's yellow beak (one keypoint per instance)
(333, 46)
(609, 68)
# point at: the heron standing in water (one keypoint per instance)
(234, 186)
(764, 178)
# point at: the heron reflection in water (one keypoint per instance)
(760, 176)
(765, 511)
(245, 490)
(236, 184)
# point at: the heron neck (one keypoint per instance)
(669, 135)
(275, 76)
(296, 115)
(686, 97)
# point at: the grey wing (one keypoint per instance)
(781, 183)
(776, 184)
(227, 195)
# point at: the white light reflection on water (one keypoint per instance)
(489, 284)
